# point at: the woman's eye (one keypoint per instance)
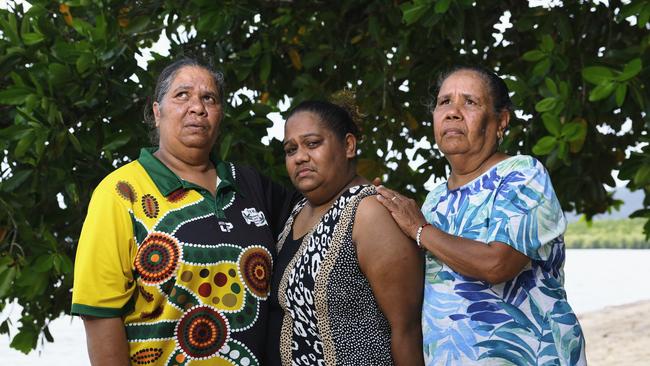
(182, 95)
(470, 102)
(443, 101)
(289, 151)
(210, 99)
(312, 144)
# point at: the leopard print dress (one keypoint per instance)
(331, 316)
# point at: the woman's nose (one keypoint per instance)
(301, 155)
(196, 106)
(453, 112)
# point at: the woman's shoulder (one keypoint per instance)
(129, 174)
(519, 163)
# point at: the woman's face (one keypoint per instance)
(464, 121)
(316, 159)
(189, 114)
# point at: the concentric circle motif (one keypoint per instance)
(255, 268)
(157, 258)
(201, 332)
(126, 191)
(150, 206)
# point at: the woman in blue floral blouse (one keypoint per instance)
(493, 232)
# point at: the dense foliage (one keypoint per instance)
(72, 93)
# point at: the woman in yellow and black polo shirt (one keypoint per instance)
(173, 265)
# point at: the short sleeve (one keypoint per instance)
(526, 213)
(103, 278)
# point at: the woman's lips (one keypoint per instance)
(303, 172)
(453, 132)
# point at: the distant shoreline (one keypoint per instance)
(607, 234)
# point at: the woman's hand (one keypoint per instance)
(405, 211)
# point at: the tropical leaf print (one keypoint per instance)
(524, 321)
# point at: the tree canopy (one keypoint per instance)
(72, 96)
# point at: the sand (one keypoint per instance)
(618, 335)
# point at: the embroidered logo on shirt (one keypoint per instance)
(252, 216)
(225, 226)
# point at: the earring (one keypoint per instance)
(499, 138)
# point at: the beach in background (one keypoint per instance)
(607, 288)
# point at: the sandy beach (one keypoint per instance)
(618, 335)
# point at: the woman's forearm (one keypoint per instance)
(494, 262)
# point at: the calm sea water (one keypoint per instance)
(595, 278)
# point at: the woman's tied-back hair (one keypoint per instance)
(497, 88)
(165, 80)
(340, 115)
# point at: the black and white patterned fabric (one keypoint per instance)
(331, 316)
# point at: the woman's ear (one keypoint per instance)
(350, 146)
(156, 113)
(503, 122)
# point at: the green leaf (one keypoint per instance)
(597, 74)
(7, 276)
(551, 86)
(412, 12)
(24, 144)
(15, 181)
(644, 16)
(117, 140)
(602, 91)
(265, 67)
(261, 109)
(84, 62)
(66, 264)
(631, 69)
(546, 105)
(225, 145)
(14, 95)
(43, 263)
(542, 67)
(547, 44)
(642, 176)
(73, 193)
(534, 55)
(32, 38)
(545, 145)
(621, 91)
(25, 341)
(552, 124)
(442, 6)
(75, 142)
(138, 24)
(59, 74)
(82, 27)
(573, 131)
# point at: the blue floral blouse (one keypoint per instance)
(524, 321)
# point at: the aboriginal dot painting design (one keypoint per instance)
(146, 356)
(126, 191)
(177, 195)
(150, 206)
(157, 258)
(216, 289)
(255, 269)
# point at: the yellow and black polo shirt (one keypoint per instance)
(188, 272)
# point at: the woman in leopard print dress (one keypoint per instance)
(347, 283)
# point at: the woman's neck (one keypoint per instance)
(319, 203)
(191, 161)
(464, 170)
